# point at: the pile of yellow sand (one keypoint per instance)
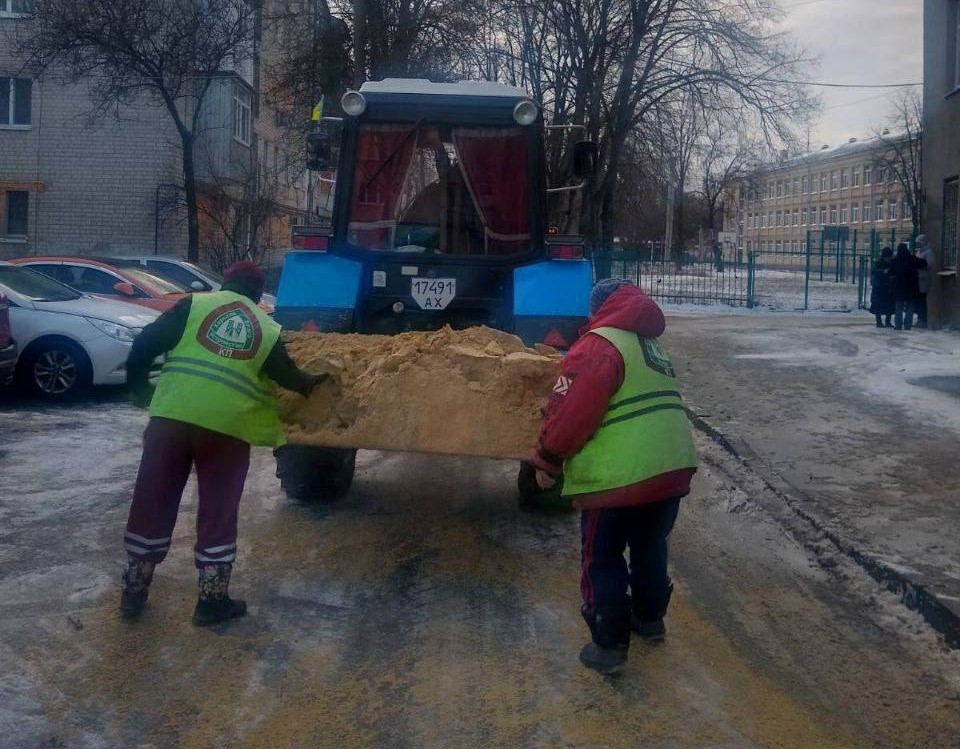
(470, 392)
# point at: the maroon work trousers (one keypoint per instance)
(170, 449)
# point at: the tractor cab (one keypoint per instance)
(438, 218)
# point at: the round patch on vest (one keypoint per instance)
(231, 331)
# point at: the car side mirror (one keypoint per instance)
(198, 286)
(124, 288)
(586, 153)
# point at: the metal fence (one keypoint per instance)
(831, 272)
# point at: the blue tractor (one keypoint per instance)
(439, 217)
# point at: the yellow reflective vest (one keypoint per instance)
(212, 377)
(644, 433)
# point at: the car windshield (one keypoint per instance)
(212, 275)
(440, 189)
(35, 286)
(156, 283)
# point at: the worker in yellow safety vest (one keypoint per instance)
(214, 399)
(616, 430)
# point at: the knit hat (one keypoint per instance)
(602, 291)
(245, 277)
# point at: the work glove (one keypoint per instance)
(141, 396)
(545, 480)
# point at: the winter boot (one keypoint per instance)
(136, 587)
(647, 622)
(214, 605)
(610, 628)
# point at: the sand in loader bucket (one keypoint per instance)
(469, 392)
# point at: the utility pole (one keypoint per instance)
(668, 238)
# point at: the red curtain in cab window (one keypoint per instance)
(495, 167)
(378, 183)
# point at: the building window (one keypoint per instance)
(14, 8)
(15, 101)
(779, 189)
(951, 224)
(833, 215)
(806, 216)
(823, 216)
(855, 213)
(242, 114)
(806, 185)
(881, 175)
(867, 174)
(844, 215)
(866, 213)
(763, 220)
(834, 180)
(878, 211)
(779, 219)
(894, 210)
(796, 217)
(796, 185)
(856, 178)
(844, 179)
(823, 181)
(17, 214)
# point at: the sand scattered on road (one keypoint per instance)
(469, 392)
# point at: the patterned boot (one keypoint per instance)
(214, 604)
(136, 587)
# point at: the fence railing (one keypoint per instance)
(832, 272)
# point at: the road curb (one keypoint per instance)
(912, 593)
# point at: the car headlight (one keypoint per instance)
(120, 332)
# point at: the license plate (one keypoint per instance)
(433, 293)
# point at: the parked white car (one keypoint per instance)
(67, 340)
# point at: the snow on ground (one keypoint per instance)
(894, 366)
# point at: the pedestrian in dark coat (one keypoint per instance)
(905, 272)
(881, 293)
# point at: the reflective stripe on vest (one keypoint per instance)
(644, 433)
(213, 378)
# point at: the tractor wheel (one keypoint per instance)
(532, 498)
(315, 474)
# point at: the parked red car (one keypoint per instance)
(100, 278)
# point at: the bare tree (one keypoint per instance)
(166, 51)
(723, 158)
(239, 208)
(902, 145)
(612, 65)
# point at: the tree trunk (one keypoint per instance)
(190, 192)
(359, 42)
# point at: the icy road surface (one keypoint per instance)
(425, 610)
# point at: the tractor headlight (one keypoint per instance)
(353, 103)
(120, 332)
(525, 112)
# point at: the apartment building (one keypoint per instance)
(74, 184)
(773, 208)
(941, 153)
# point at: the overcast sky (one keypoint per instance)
(857, 41)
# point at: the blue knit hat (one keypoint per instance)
(602, 291)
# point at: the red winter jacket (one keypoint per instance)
(591, 373)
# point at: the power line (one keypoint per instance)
(841, 85)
